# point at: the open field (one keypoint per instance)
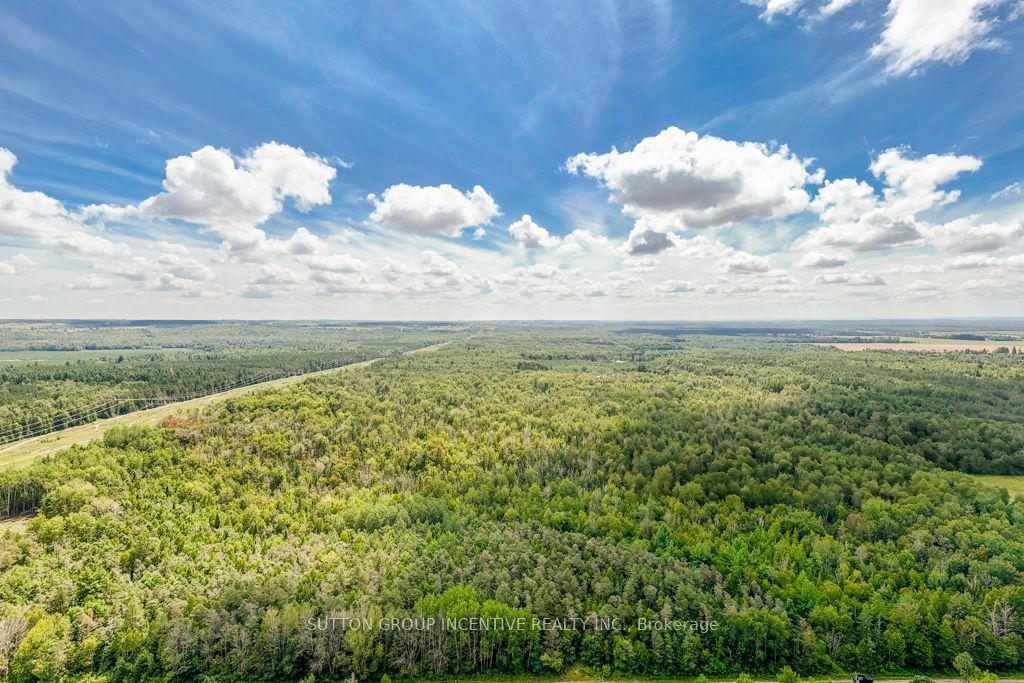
(24, 452)
(997, 339)
(1013, 484)
(930, 346)
(17, 525)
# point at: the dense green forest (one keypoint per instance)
(57, 375)
(544, 494)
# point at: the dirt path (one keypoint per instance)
(24, 452)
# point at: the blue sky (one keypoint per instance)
(434, 99)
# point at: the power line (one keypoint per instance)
(76, 417)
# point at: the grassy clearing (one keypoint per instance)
(1012, 483)
(953, 342)
(16, 525)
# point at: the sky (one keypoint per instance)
(741, 159)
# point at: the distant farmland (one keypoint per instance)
(919, 347)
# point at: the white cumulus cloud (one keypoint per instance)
(303, 242)
(966, 235)
(826, 258)
(772, 8)
(970, 262)
(675, 287)
(336, 263)
(742, 262)
(273, 274)
(853, 279)
(36, 217)
(855, 217)
(645, 242)
(529, 235)
(90, 281)
(433, 210)
(679, 179)
(919, 32)
(211, 187)
(915, 33)
(17, 265)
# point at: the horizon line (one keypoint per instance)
(1004, 318)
